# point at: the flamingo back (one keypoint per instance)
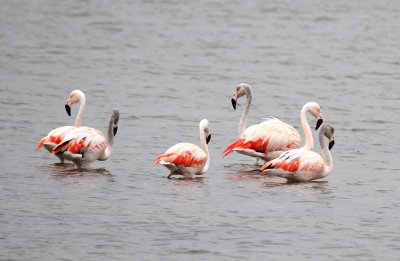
(183, 154)
(297, 164)
(268, 136)
(81, 141)
(55, 136)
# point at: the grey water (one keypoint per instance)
(166, 65)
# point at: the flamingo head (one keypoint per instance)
(315, 111)
(329, 133)
(74, 97)
(205, 126)
(115, 119)
(241, 90)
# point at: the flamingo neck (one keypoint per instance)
(110, 140)
(326, 154)
(243, 119)
(309, 143)
(204, 147)
(82, 104)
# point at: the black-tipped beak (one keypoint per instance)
(115, 130)
(68, 109)
(233, 103)
(208, 138)
(319, 123)
(331, 143)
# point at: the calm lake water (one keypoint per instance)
(166, 65)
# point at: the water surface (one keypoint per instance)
(166, 65)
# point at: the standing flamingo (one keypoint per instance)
(188, 159)
(84, 145)
(268, 139)
(56, 136)
(303, 164)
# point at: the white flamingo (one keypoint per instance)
(268, 139)
(188, 159)
(55, 136)
(85, 145)
(303, 164)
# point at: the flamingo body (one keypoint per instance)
(266, 139)
(54, 138)
(302, 164)
(187, 159)
(297, 164)
(183, 158)
(86, 141)
(85, 145)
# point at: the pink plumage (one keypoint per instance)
(188, 159)
(85, 145)
(302, 164)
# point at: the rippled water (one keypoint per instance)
(166, 65)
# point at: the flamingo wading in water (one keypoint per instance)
(268, 139)
(55, 136)
(187, 159)
(302, 164)
(85, 145)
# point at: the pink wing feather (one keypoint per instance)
(81, 140)
(183, 154)
(268, 136)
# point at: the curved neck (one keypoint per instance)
(110, 140)
(203, 145)
(326, 154)
(243, 119)
(79, 116)
(309, 143)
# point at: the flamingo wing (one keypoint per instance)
(81, 140)
(268, 136)
(55, 136)
(183, 154)
(295, 161)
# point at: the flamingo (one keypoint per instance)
(55, 136)
(302, 164)
(268, 139)
(84, 145)
(187, 159)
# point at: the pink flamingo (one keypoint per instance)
(187, 159)
(270, 138)
(55, 136)
(302, 164)
(85, 145)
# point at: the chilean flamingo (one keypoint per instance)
(303, 164)
(84, 145)
(270, 138)
(187, 159)
(56, 136)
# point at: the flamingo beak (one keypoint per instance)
(115, 129)
(208, 138)
(331, 143)
(68, 109)
(233, 103)
(319, 123)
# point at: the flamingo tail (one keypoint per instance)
(259, 146)
(41, 143)
(61, 147)
(159, 158)
(237, 144)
